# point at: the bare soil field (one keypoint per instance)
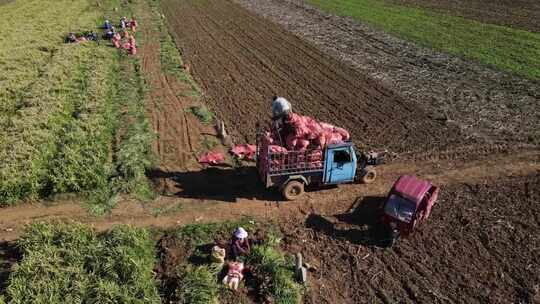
(242, 60)
(484, 103)
(522, 14)
(481, 245)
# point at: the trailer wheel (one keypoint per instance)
(292, 190)
(368, 175)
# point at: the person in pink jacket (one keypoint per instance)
(116, 40)
(132, 45)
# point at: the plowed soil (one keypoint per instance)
(485, 103)
(242, 60)
(481, 245)
(523, 14)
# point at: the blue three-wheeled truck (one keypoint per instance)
(291, 171)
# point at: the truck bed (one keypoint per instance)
(289, 162)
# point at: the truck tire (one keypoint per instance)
(292, 190)
(368, 175)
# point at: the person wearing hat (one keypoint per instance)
(281, 108)
(123, 23)
(240, 244)
(107, 25)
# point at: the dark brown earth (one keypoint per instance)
(8, 257)
(484, 103)
(522, 14)
(481, 245)
(242, 60)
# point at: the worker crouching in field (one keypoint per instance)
(235, 274)
(132, 48)
(116, 40)
(109, 33)
(107, 25)
(240, 246)
(133, 24)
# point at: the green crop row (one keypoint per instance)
(72, 121)
(57, 141)
(272, 265)
(71, 263)
(512, 50)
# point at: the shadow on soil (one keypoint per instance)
(9, 255)
(216, 183)
(360, 226)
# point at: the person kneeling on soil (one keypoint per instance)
(72, 38)
(240, 247)
(235, 274)
(107, 25)
(116, 40)
(133, 24)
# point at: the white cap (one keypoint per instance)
(240, 233)
(280, 105)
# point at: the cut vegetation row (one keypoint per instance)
(72, 115)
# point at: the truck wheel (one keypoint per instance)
(368, 176)
(293, 190)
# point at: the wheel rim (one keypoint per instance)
(294, 191)
(369, 177)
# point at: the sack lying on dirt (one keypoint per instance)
(212, 158)
(244, 151)
(218, 255)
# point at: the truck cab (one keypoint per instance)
(340, 164)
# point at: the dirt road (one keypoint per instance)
(228, 194)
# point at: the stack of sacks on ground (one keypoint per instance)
(307, 137)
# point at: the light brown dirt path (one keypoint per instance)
(239, 194)
(179, 133)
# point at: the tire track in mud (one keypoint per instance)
(241, 60)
